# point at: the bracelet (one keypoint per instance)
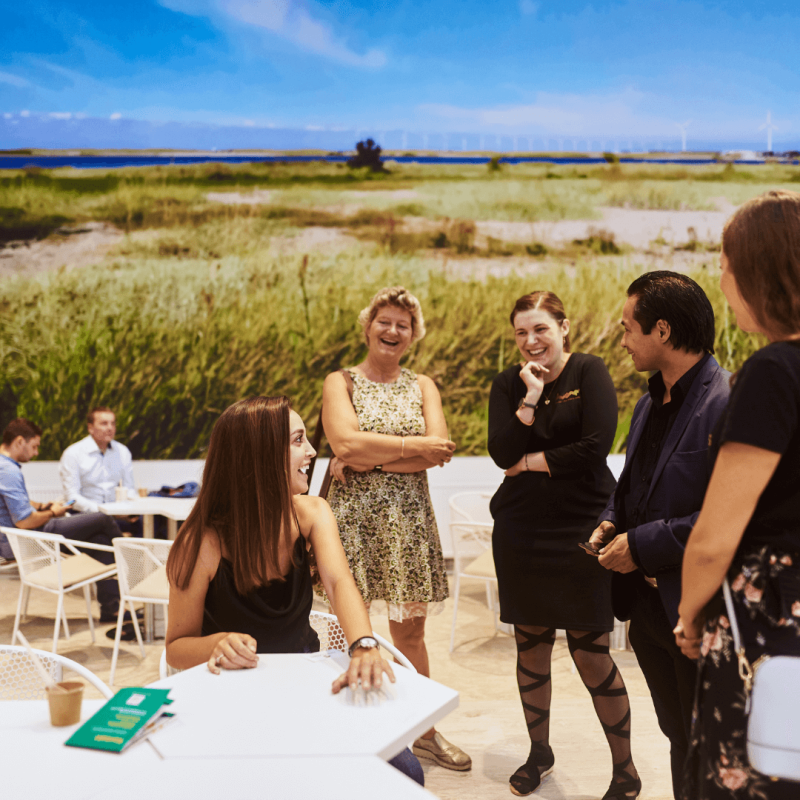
(526, 463)
(402, 447)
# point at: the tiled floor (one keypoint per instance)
(488, 723)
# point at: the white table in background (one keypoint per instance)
(38, 766)
(284, 707)
(175, 509)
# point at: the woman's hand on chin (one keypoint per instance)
(233, 651)
(366, 666)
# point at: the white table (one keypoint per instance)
(277, 729)
(284, 706)
(37, 766)
(173, 508)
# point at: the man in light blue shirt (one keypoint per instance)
(92, 469)
(21, 440)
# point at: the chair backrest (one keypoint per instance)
(140, 559)
(34, 551)
(470, 507)
(331, 637)
(19, 679)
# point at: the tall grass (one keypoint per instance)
(169, 343)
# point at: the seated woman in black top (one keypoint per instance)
(552, 420)
(749, 526)
(240, 582)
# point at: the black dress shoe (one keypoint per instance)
(111, 616)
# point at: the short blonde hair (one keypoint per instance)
(398, 297)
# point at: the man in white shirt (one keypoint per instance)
(94, 467)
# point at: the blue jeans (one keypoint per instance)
(409, 765)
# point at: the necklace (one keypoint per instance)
(553, 387)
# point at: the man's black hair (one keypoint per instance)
(680, 302)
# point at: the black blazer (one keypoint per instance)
(676, 492)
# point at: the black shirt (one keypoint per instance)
(632, 497)
(764, 411)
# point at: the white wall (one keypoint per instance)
(462, 474)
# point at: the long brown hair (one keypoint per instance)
(245, 495)
(762, 244)
(547, 301)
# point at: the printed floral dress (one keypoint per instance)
(386, 519)
(765, 585)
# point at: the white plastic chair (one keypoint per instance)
(42, 565)
(19, 679)
(331, 637)
(142, 575)
(471, 534)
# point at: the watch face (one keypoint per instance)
(367, 642)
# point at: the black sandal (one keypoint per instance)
(621, 788)
(528, 777)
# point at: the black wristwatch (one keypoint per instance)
(367, 642)
(525, 404)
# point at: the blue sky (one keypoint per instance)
(526, 68)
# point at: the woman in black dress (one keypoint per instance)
(551, 424)
(749, 526)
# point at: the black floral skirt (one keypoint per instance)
(766, 593)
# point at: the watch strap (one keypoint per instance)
(369, 642)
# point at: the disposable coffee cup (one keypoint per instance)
(142, 492)
(65, 707)
(120, 494)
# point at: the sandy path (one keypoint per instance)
(630, 226)
(70, 247)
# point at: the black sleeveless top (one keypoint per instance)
(275, 614)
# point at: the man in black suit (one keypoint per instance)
(669, 330)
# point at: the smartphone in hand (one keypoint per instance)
(70, 503)
(590, 548)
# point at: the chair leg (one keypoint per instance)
(88, 597)
(136, 628)
(59, 615)
(455, 611)
(22, 589)
(27, 592)
(64, 616)
(117, 639)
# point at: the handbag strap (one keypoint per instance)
(745, 668)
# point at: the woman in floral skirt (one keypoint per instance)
(749, 527)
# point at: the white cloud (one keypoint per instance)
(13, 80)
(60, 115)
(7, 115)
(25, 113)
(528, 8)
(116, 115)
(293, 20)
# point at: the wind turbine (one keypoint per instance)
(682, 127)
(769, 128)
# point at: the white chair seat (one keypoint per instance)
(482, 567)
(74, 569)
(154, 587)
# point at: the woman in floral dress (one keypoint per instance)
(749, 526)
(386, 427)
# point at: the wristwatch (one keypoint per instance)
(525, 404)
(367, 642)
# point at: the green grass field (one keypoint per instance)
(194, 310)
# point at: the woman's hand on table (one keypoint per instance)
(689, 637)
(233, 651)
(338, 466)
(366, 666)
